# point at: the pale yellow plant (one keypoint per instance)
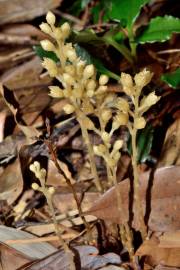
(140, 105)
(79, 84)
(48, 192)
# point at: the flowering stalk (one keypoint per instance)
(134, 91)
(77, 78)
(48, 192)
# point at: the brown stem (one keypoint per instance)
(137, 199)
(54, 159)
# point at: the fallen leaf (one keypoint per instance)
(157, 255)
(54, 178)
(170, 154)
(11, 183)
(13, 105)
(11, 259)
(163, 267)
(162, 201)
(59, 260)
(31, 250)
(90, 258)
(23, 10)
(66, 202)
(170, 240)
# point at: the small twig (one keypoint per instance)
(54, 159)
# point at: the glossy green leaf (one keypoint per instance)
(42, 53)
(125, 11)
(159, 29)
(172, 79)
(83, 53)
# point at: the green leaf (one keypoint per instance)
(172, 79)
(84, 3)
(83, 53)
(125, 11)
(42, 53)
(144, 143)
(159, 29)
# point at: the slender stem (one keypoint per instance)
(132, 43)
(121, 48)
(126, 231)
(86, 139)
(56, 227)
(137, 199)
(54, 158)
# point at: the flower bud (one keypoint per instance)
(78, 92)
(139, 123)
(71, 55)
(103, 79)
(88, 71)
(143, 78)
(116, 157)
(58, 33)
(99, 149)
(127, 83)
(101, 89)
(45, 28)
(68, 79)
(51, 190)
(150, 100)
(51, 67)
(42, 173)
(50, 18)
(35, 186)
(118, 145)
(105, 137)
(91, 85)
(70, 69)
(122, 105)
(68, 108)
(56, 92)
(90, 93)
(106, 115)
(80, 67)
(122, 118)
(65, 28)
(47, 45)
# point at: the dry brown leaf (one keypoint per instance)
(170, 240)
(164, 203)
(31, 250)
(54, 178)
(13, 105)
(157, 255)
(29, 88)
(88, 259)
(11, 183)
(22, 30)
(23, 10)
(66, 202)
(11, 259)
(171, 150)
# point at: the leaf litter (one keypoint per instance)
(21, 72)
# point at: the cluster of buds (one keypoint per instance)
(133, 88)
(111, 157)
(78, 79)
(40, 174)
